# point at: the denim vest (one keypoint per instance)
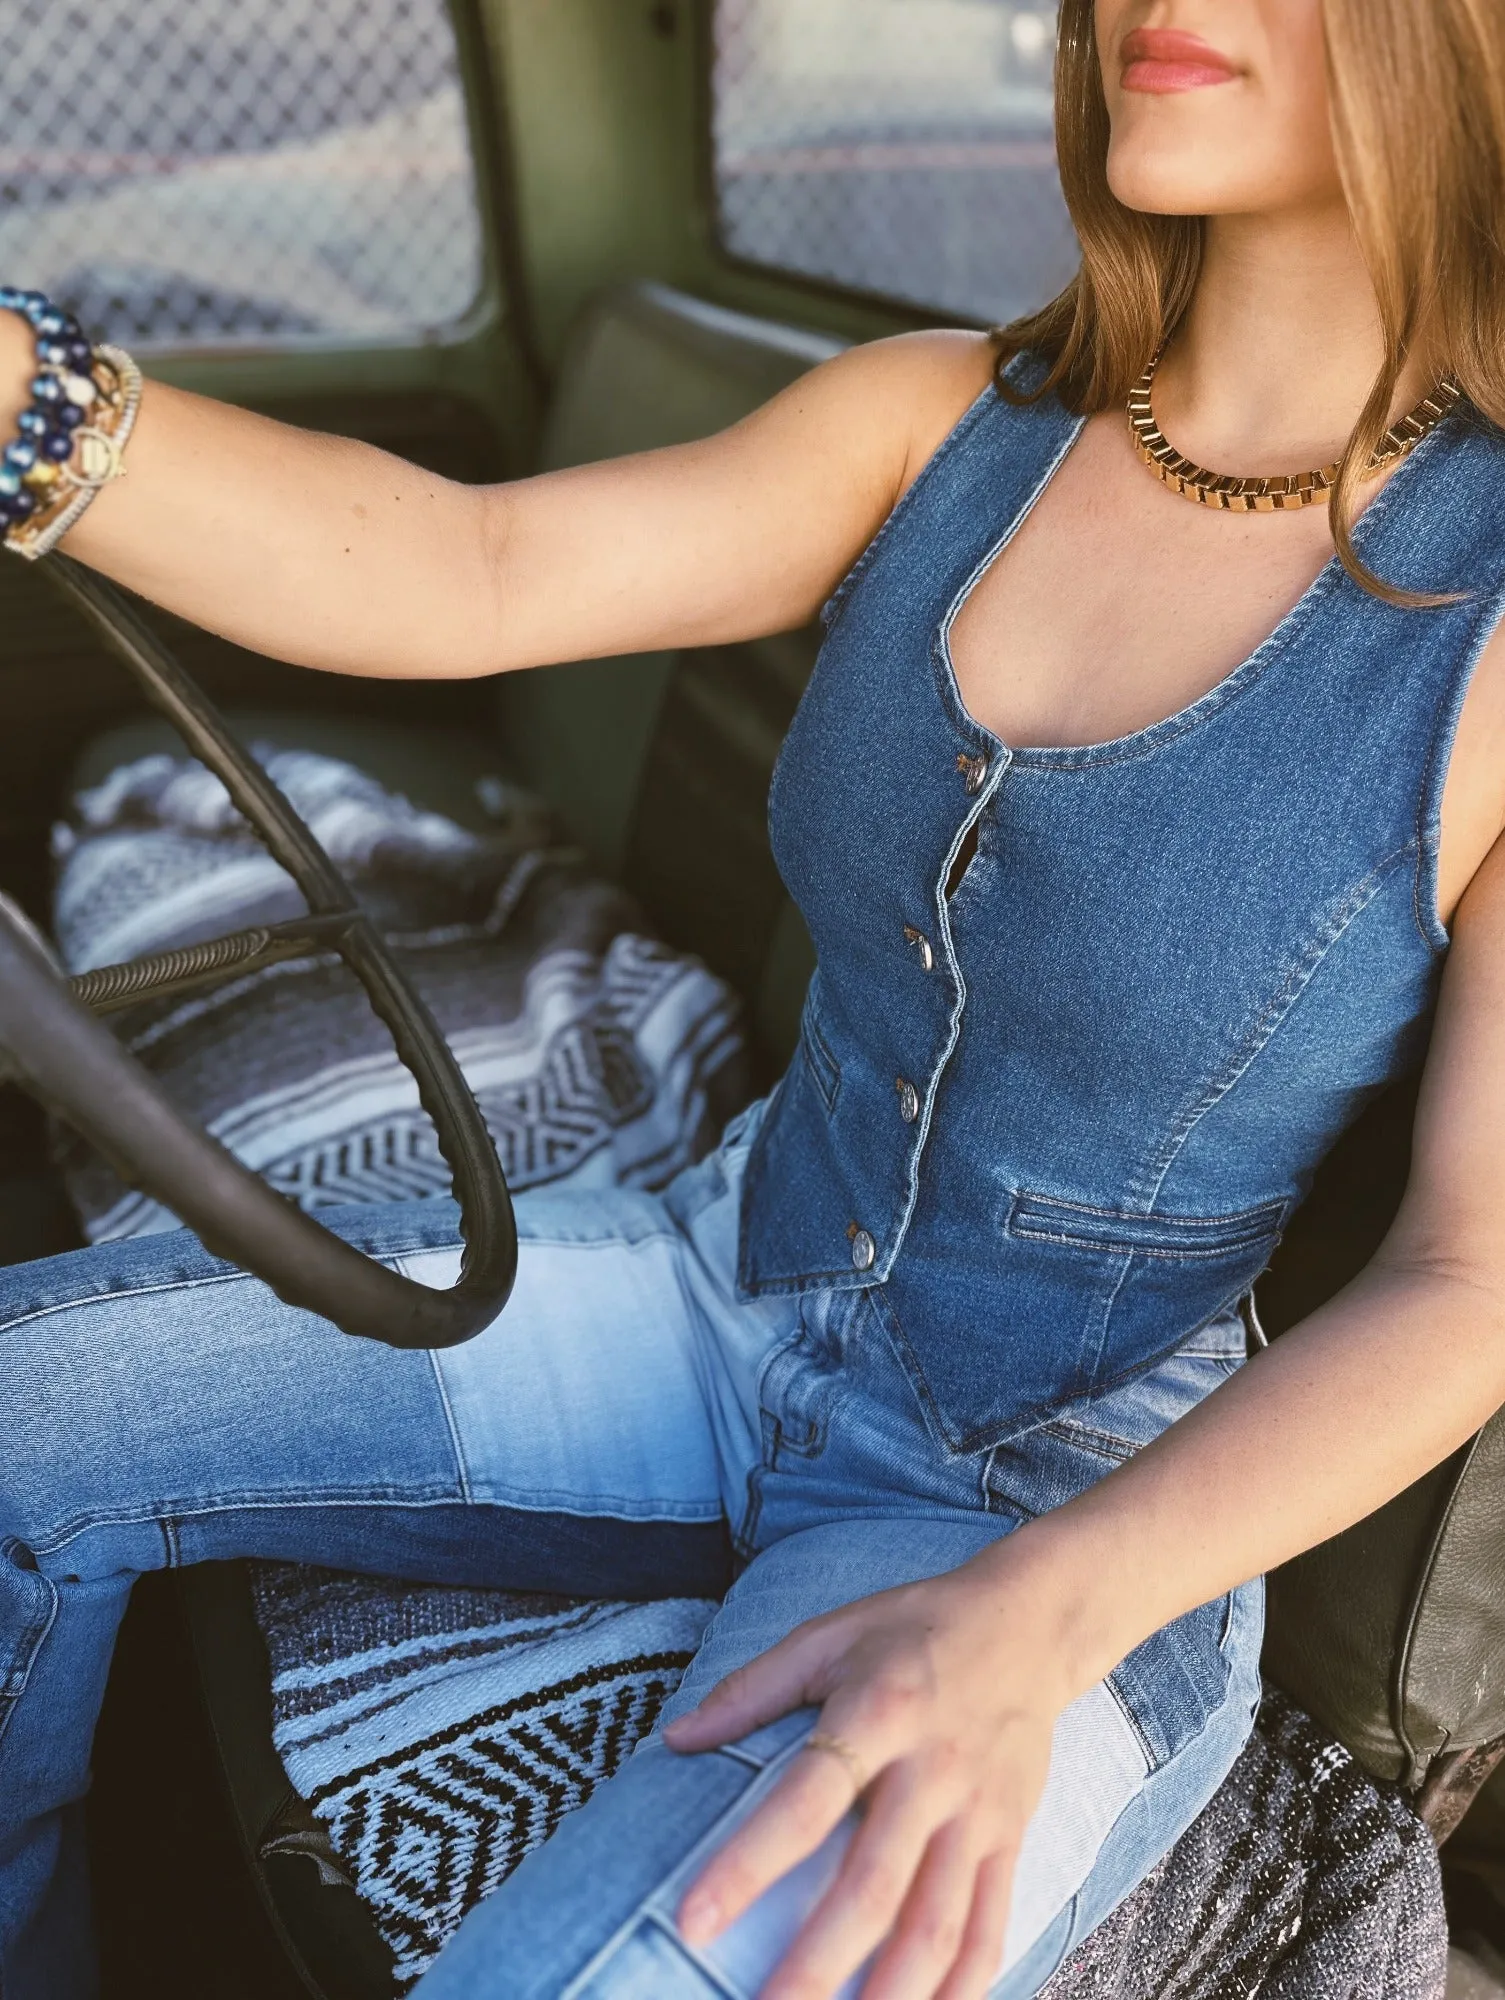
(1057, 1122)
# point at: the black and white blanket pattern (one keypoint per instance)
(439, 1733)
(597, 1055)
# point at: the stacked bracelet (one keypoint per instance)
(71, 435)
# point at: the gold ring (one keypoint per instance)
(838, 1747)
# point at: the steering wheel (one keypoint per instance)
(52, 1045)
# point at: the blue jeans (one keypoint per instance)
(623, 1422)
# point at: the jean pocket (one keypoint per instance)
(1034, 1474)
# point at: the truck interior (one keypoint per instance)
(501, 235)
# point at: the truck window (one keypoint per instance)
(898, 147)
(216, 173)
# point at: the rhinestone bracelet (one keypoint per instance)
(72, 434)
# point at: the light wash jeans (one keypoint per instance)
(623, 1426)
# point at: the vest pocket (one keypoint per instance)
(1039, 1218)
(1131, 1287)
(816, 1051)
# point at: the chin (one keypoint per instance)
(1171, 179)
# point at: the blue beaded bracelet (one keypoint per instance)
(70, 435)
(59, 404)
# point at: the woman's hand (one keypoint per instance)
(937, 1713)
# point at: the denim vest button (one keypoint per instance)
(864, 1249)
(909, 1100)
(974, 772)
(921, 944)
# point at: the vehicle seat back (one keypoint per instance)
(660, 763)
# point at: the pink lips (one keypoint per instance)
(1160, 61)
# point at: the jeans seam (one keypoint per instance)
(764, 1780)
(737, 1755)
(273, 1502)
(713, 1974)
(155, 1516)
(593, 1507)
(825, 1070)
(33, 1638)
(1152, 1763)
(1153, 1172)
(1071, 1911)
(462, 1468)
(385, 1254)
(119, 1292)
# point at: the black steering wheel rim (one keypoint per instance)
(54, 1047)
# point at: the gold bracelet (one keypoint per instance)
(99, 457)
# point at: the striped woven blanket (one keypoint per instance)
(439, 1734)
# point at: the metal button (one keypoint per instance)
(921, 944)
(864, 1249)
(909, 1099)
(974, 772)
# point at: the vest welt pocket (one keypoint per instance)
(1041, 1218)
(816, 1050)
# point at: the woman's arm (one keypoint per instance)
(332, 554)
(947, 1692)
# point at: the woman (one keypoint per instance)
(1135, 837)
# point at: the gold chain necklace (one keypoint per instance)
(1283, 490)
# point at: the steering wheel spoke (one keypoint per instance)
(165, 974)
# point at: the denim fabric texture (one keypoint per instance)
(629, 1426)
(1176, 968)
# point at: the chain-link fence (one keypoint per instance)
(898, 146)
(197, 172)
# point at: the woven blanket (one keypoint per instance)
(439, 1734)
(597, 1055)
(1303, 1880)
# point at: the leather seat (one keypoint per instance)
(1393, 1634)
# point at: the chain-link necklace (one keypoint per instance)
(1291, 489)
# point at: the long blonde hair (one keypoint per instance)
(1418, 104)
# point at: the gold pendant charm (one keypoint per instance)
(97, 459)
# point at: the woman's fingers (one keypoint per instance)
(930, 1931)
(766, 1688)
(807, 1804)
(946, 1772)
(981, 1955)
(904, 1878)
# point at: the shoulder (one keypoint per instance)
(935, 378)
(898, 400)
